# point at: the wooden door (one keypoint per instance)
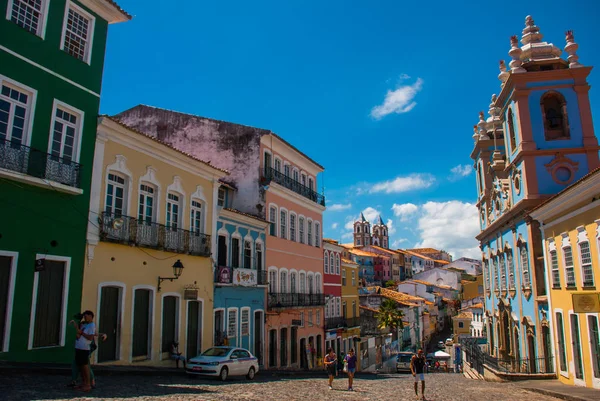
(193, 347)
(5, 271)
(141, 323)
(109, 324)
(169, 325)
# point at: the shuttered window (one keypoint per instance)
(48, 308)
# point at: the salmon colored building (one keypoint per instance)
(294, 256)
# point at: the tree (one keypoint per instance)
(390, 284)
(389, 316)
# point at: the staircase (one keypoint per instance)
(471, 373)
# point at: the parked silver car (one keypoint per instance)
(223, 362)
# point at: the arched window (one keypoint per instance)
(337, 264)
(554, 113)
(326, 259)
(481, 182)
(511, 130)
(525, 267)
(357, 229)
(293, 282)
(282, 281)
(331, 262)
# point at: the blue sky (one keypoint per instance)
(383, 94)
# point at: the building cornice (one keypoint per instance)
(108, 10)
(291, 196)
(517, 211)
(252, 221)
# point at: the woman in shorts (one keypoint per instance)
(330, 360)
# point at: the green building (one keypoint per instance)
(51, 63)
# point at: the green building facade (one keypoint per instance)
(51, 64)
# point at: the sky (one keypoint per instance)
(383, 94)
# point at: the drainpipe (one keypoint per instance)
(550, 313)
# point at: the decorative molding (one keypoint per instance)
(561, 161)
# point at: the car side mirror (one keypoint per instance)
(233, 357)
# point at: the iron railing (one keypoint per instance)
(33, 162)
(131, 231)
(273, 175)
(334, 322)
(285, 300)
(260, 276)
(353, 322)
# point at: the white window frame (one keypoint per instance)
(318, 317)
(63, 313)
(247, 241)
(154, 202)
(31, 103)
(582, 238)
(287, 169)
(301, 229)
(169, 203)
(353, 278)
(317, 234)
(344, 281)
(119, 167)
(296, 174)
(283, 223)
(337, 264)
(57, 104)
(293, 227)
(194, 211)
(318, 283)
(221, 200)
(41, 29)
(248, 327)
(566, 243)
(277, 160)
(259, 247)
(309, 232)
(229, 314)
(302, 319)
(302, 285)
(91, 27)
(273, 219)
(273, 280)
(283, 280)
(326, 262)
(115, 185)
(310, 317)
(331, 262)
(294, 275)
(237, 236)
(4, 347)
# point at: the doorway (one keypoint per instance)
(142, 332)
(294, 345)
(218, 327)
(194, 329)
(576, 340)
(258, 336)
(272, 348)
(283, 348)
(303, 359)
(547, 350)
(109, 319)
(532, 353)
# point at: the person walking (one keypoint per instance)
(330, 361)
(417, 365)
(350, 361)
(85, 335)
(176, 355)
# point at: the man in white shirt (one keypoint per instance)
(85, 335)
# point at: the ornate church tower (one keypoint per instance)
(362, 232)
(380, 233)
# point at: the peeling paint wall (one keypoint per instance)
(229, 146)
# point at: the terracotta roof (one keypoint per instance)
(247, 215)
(358, 252)
(476, 306)
(367, 308)
(444, 262)
(447, 300)
(331, 241)
(464, 315)
(348, 261)
(348, 245)
(447, 287)
(113, 119)
(573, 185)
(417, 255)
(399, 297)
(384, 250)
(426, 250)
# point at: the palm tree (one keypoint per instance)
(389, 316)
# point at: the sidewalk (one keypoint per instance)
(556, 389)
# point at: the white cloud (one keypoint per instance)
(451, 226)
(371, 214)
(460, 171)
(405, 211)
(403, 77)
(404, 184)
(398, 101)
(348, 235)
(334, 226)
(338, 206)
(396, 244)
(391, 228)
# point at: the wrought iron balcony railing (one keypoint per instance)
(131, 231)
(334, 322)
(33, 162)
(273, 175)
(286, 300)
(239, 276)
(353, 321)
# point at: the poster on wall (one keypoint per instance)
(244, 277)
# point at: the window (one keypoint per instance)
(511, 270)
(554, 112)
(525, 267)
(511, 130)
(586, 264)
(292, 227)
(259, 256)
(326, 260)
(282, 281)
(311, 184)
(293, 283)
(273, 220)
(29, 14)
(486, 269)
(235, 252)
(354, 314)
(245, 322)
(170, 322)
(555, 271)
(283, 222)
(286, 169)
(115, 195)
(461, 325)
(502, 268)
(303, 178)
(273, 281)
(309, 242)
(317, 234)
(562, 351)
(65, 134)
(576, 342)
(301, 229)
(358, 241)
(296, 175)
(196, 217)
(338, 303)
(221, 197)
(310, 316)
(15, 106)
(594, 344)
(267, 162)
(344, 277)
(337, 264)
(301, 319)
(48, 307)
(569, 269)
(278, 165)
(77, 33)
(247, 255)
(311, 288)
(172, 211)
(353, 279)
(146, 205)
(318, 315)
(302, 283)
(232, 324)
(331, 259)
(495, 274)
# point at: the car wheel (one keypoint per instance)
(224, 373)
(251, 373)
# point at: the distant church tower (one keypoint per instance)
(380, 233)
(362, 232)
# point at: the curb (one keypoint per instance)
(555, 394)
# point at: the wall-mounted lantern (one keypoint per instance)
(177, 270)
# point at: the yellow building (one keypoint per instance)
(570, 224)
(152, 216)
(462, 324)
(350, 304)
(472, 289)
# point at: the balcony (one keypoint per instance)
(334, 322)
(353, 322)
(239, 276)
(273, 175)
(41, 167)
(287, 300)
(131, 231)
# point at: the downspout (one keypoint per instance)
(548, 281)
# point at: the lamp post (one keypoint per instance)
(177, 270)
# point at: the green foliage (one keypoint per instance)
(389, 316)
(390, 284)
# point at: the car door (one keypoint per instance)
(245, 361)
(234, 363)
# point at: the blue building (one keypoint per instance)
(537, 140)
(240, 279)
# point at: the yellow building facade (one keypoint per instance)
(350, 304)
(149, 274)
(472, 289)
(570, 223)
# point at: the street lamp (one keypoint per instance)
(177, 270)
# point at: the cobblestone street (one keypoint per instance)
(440, 387)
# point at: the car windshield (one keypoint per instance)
(216, 352)
(404, 358)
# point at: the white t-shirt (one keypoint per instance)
(82, 342)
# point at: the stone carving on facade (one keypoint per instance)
(515, 54)
(534, 49)
(562, 169)
(571, 48)
(503, 76)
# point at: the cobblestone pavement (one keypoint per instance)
(440, 387)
